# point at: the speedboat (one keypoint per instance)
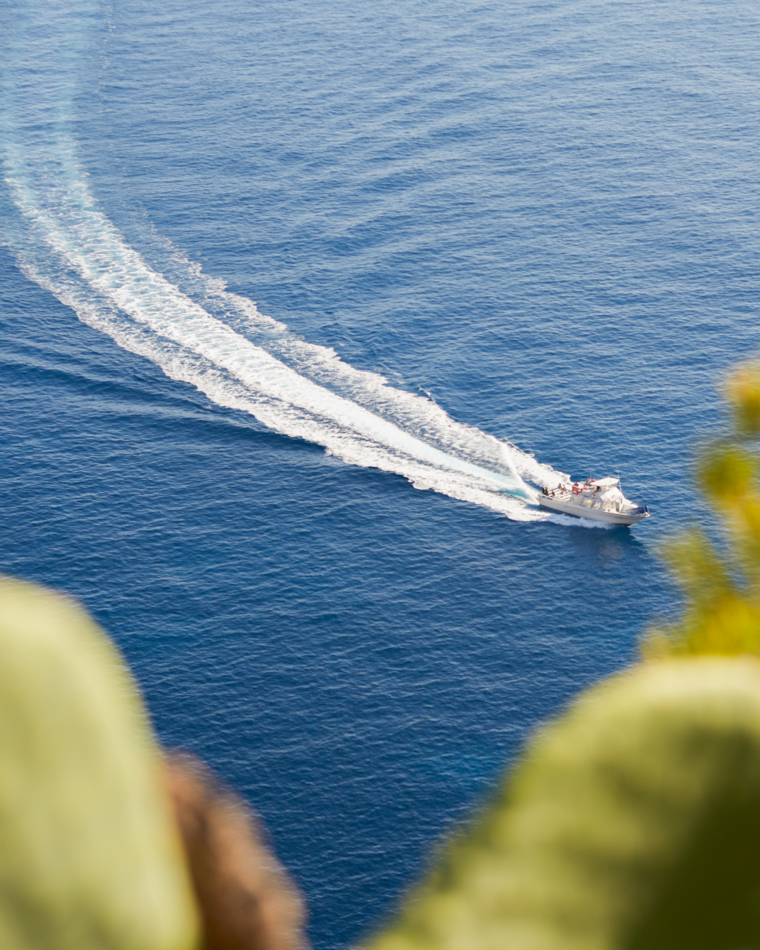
(598, 499)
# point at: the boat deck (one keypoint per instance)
(589, 504)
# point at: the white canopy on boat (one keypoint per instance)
(605, 482)
(612, 494)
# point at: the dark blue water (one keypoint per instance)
(538, 223)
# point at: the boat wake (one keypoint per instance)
(218, 341)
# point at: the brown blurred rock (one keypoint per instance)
(246, 900)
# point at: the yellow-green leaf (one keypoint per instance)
(633, 823)
(89, 852)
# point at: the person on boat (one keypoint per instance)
(545, 490)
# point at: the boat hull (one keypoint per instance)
(577, 509)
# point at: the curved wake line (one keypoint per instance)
(65, 243)
(83, 240)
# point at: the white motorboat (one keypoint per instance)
(598, 499)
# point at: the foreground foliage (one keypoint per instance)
(722, 590)
(89, 852)
(633, 822)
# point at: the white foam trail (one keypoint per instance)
(239, 358)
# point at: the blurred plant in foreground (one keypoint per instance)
(631, 823)
(86, 831)
(103, 844)
(722, 613)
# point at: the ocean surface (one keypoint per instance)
(297, 302)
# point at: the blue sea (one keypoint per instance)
(297, 302)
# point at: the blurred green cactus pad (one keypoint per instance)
(89, 852)
(632, 822)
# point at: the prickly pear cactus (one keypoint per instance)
(89, 853)
(633, 823)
